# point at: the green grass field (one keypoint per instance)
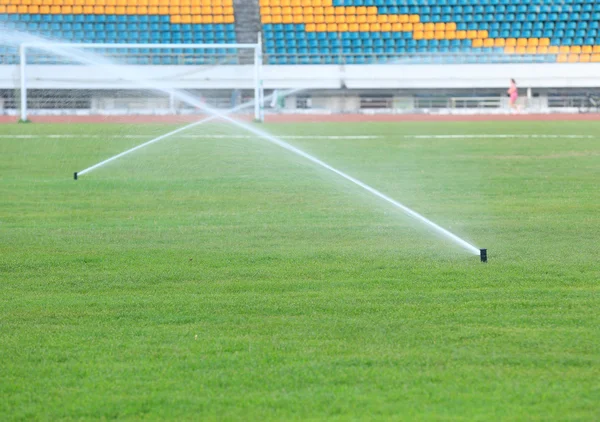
(215, 276)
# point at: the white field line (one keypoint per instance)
(331, 137)
(499, 136)
(203, 136)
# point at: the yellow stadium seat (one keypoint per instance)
(297, 3)
(109, 10)
(414, 19)
(586, 49)
(531, 49)
(354, 27)
(542, 49)
(533, 42)
(375, 27)
(477, 43)
(361, 19)
(521, 42)
(287, 19)
(404, 19)
(227, 3)
(173, 10)
(562, 58)
(339, 10)
(32, 9)
(88, 10)
(553, 49)
(77, 10)
(499, 42)
(596, 58)
(429, 26)
(308, 18)
(471, 34)
(365, 27)
(340, 19)
(584, 58)
(564, 49)
(382, 18)
(285, 10)
(22, 9)
(429, 35)
(175, 19)
(329, 19)
(274, 10)
(418, 27)
(396, 27)
(440, 35)
(263, 3)
(451, 26)
(185, 10)
(131, 10)
(488, 42)
(152, 10)
(274, 19)
(371, 18)
(319, 18)
(321, 27)
(440, 26)
(509, 49)
(141, 10)
(310, 27)
(418, 35)
(275, 3)
(350, 10)
(386, 27)
(361, 10)
(229, 19)
(285, 3)
(575, 49)
(450, 35)
(521, 50)
(342, 27)
(511, 42)
(573, 58)
(482, 34)
(596, 49)
(297, 10)
(544, 41)
(461, 35)
(119, 10)
(3, 8)
(372, 10)
(393, 18)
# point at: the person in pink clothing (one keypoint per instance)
(513, 94)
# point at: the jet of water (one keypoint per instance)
(123, 72)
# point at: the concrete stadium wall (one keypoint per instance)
(575, 75)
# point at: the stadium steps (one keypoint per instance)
(247, 23)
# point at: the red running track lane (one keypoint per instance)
(313, 118)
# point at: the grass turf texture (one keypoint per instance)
(224, 278)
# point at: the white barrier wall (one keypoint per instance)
(565, 75)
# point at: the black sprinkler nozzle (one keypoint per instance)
(75, 176)
(483, 255)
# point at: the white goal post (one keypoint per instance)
(208, 73)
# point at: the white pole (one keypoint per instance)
(256, 86)
(23, 55)
(261, 88)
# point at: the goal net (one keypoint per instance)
(127, 79)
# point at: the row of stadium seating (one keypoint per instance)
(195, 3)
(392, 3)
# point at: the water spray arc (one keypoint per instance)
(157, 86)
(169, 134)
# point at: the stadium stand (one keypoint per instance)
(325, 31)
(430, 31)
(125, 21)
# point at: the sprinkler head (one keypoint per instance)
(483, 255)
(75, 176)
